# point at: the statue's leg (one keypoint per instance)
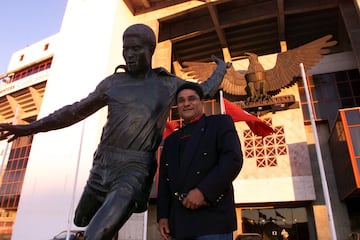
(116, 210)
(88, 205)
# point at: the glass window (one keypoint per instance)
(357, 101)
(344, 89)
(354, 74)
(302, 95)
(272, 223)
(33, 69)
(319, 114)
(355, 139)
(331, 114)
(331, 92)
(315, 94)
(347, 102)
(355, 85)
(10, 187)
(340, 76)
(352, 117)
(305, 110)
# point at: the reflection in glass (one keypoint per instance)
(269, 223)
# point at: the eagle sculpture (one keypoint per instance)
(257, 83)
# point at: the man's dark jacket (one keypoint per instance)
(210, 161)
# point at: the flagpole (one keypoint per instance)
(319, 157)
(145, 225)
(70, 216)
(221, 99)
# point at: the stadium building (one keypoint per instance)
(297, 180)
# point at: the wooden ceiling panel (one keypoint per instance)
(257, 26)
(143, 6)
(249, 25)
(304, 27)
(196, 22)
(25, 100)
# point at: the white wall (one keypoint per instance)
(84, 56)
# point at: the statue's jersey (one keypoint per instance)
(137, 108)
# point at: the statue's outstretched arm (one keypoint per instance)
(61, 118)
(14, 131)
(211, 85)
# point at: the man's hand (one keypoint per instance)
(220, 62)
(194, 199)
(15, 131)
(164, 228)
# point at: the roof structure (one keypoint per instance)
(228, 28)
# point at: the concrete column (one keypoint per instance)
(341, 218)
(162, 56)
(321, 222)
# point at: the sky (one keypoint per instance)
(24, 22)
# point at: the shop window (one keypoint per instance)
(273, 223)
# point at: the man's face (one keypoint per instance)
(136, 54)
(189, 104)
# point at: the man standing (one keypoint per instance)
(198, 164)
(124, 163)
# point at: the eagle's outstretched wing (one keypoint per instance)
(234, 82)
(287, 63)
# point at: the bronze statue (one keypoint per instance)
(124, 163)
(258, 83)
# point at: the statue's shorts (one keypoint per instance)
(131, 172)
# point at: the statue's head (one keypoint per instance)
(139, 43)
(144, 32)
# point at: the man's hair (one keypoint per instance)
(193, 86)
(144, 32)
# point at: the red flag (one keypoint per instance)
(257, 126)
(170, 127)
